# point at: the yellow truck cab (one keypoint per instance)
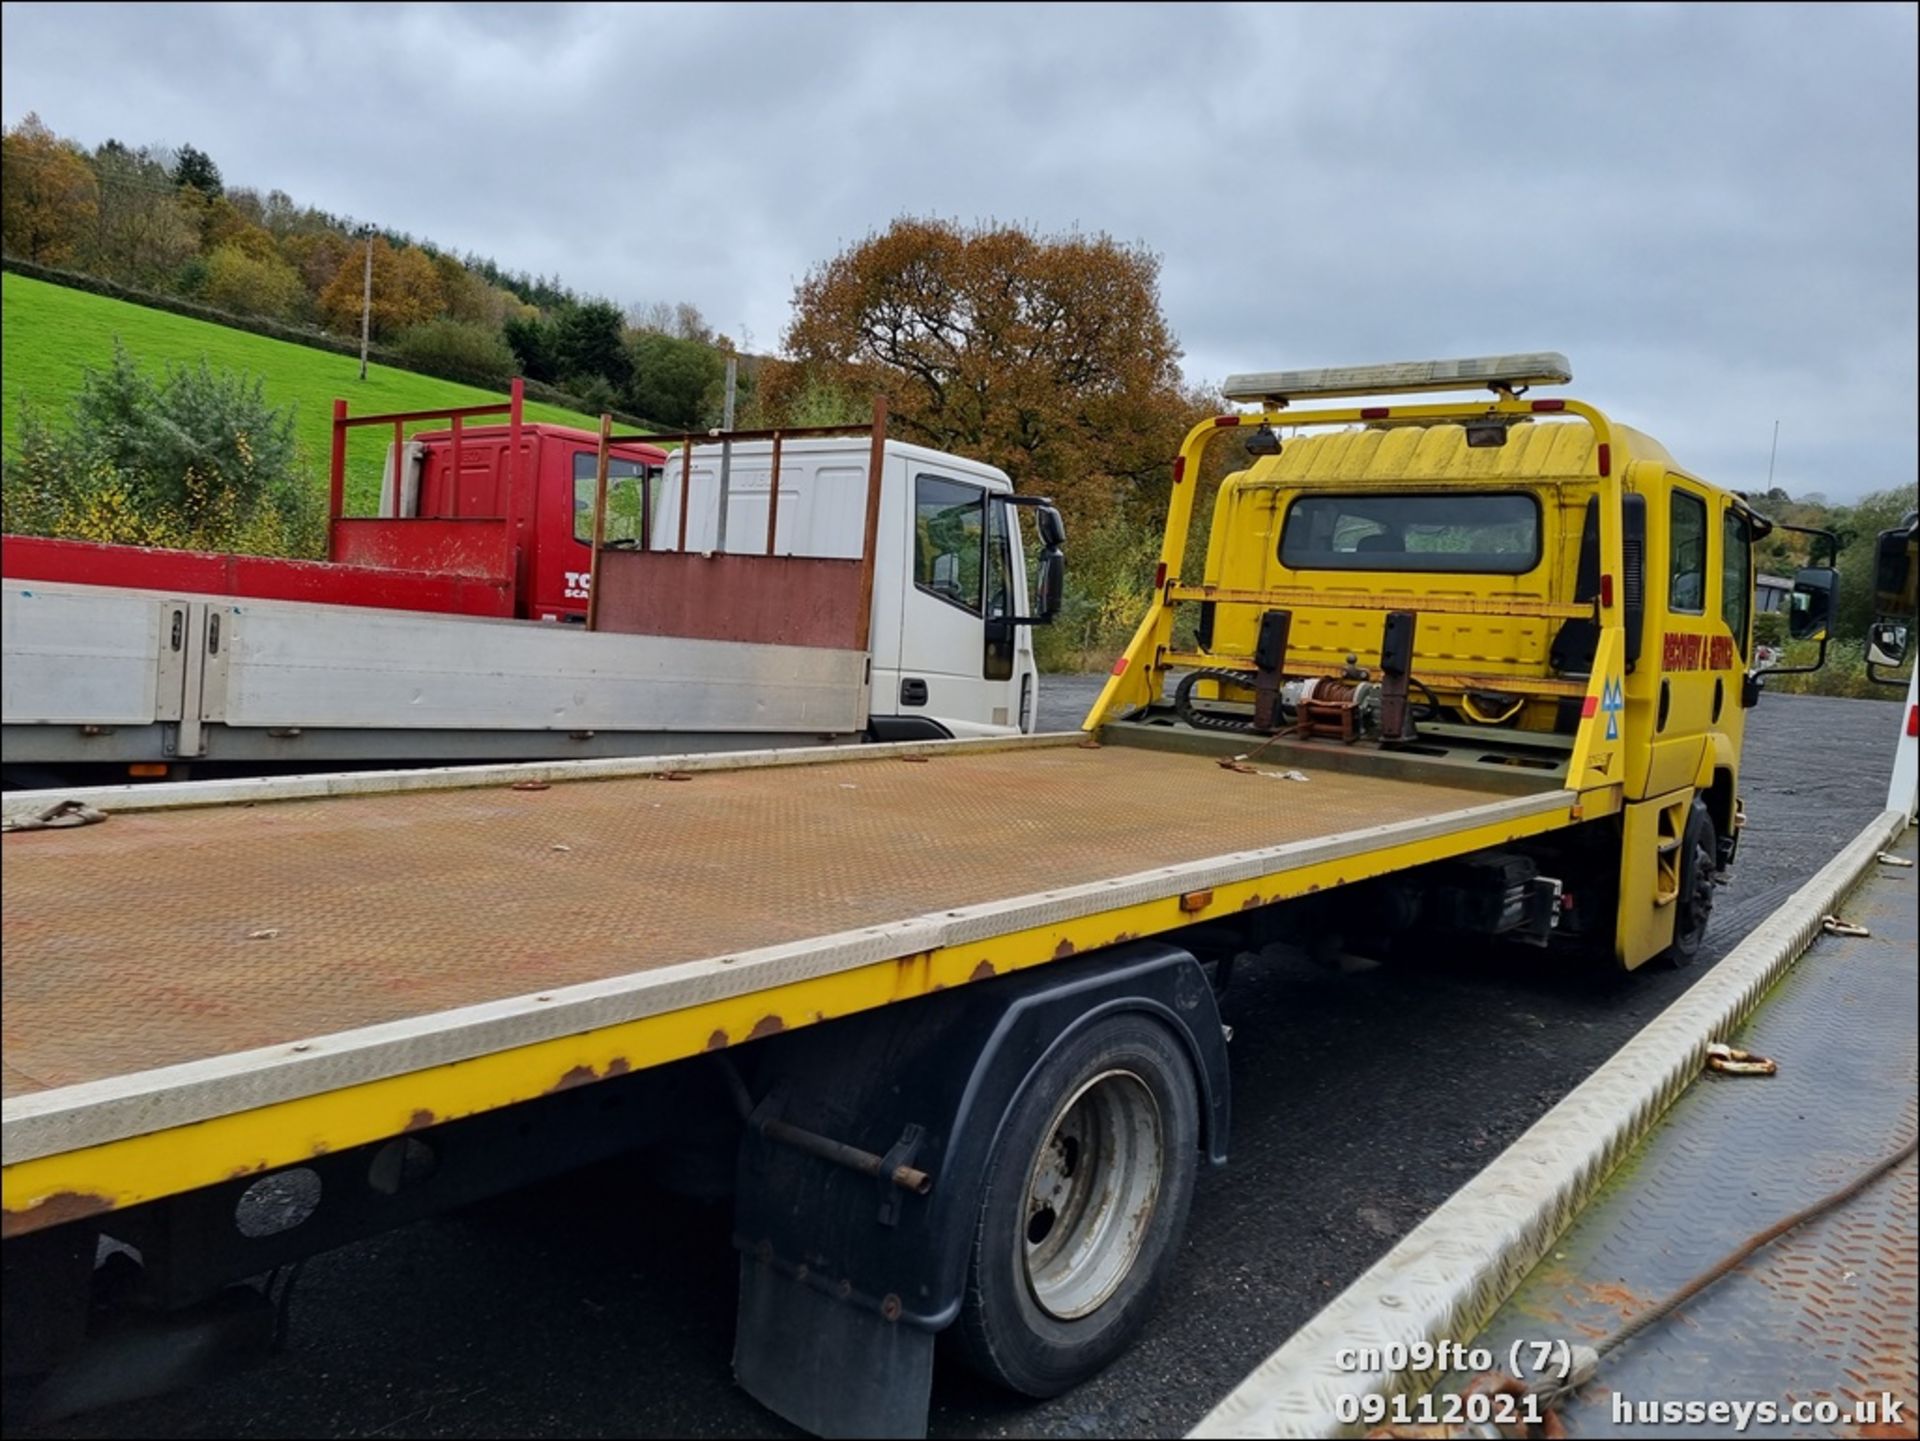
(1521, 583)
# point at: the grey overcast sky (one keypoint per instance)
(1710, 209)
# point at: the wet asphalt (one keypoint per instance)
(596, 1306)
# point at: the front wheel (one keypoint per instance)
(1086, 1199)
(1699, 858)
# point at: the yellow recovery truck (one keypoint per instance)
(945, 1011)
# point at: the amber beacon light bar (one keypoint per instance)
(1496, 372)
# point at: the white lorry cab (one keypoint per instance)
(950, 584)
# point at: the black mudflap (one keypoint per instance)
(829, 1368)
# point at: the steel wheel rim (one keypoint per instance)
(1091, 1193)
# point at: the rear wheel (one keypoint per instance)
(1699, 858)
(1085, 1202)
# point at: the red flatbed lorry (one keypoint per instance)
(503, 540)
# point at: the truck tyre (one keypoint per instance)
(1699, 858)
(1085, 1201)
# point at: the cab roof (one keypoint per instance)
(1382, 454)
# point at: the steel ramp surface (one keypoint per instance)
(1826, 1314)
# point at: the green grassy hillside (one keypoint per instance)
(49, 334)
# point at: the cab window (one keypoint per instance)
(999, 562)
(1736, 577)
(949, 535)
(1687, 553)
(1489, 534)
(626, 496)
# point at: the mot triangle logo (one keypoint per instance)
(1613, 700)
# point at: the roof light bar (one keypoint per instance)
(1545, 367)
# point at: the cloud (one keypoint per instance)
(1710, 209)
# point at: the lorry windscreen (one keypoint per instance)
(1488, 534)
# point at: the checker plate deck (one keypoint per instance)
(169, 937)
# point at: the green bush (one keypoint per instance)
(1109, 579)
(594, 393)
(196, 459)
(1844, 674)
(456, 349)
(192, 279)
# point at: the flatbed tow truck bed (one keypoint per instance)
(192, 994)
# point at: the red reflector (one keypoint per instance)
(1375, 412)
(1913, 720)
(1548, 407)
(1606, 590)
(1589, 706)
(1179, 469)
(1224, 420)
(1120, 666)
(1606, 459)
(1159, 575)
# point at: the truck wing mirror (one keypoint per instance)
(1050, 585)
(1887, 644)
(1893, 567)
(1811, 614)
(1053, 530)
(1050, 580)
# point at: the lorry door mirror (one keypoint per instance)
(1050, 575)
(1050, 585)
(1811, 604)
(1887, 644)
(1053, 530)
(1893, 566)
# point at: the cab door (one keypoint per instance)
(564, 563)
(961, 575)
(1693, 648)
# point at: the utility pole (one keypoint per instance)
(726, 450)
(366, 304)
(1773, 454)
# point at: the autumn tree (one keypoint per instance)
(225, 225)
(470, 300)
(682, 321)
(49, 199)
(245, 283)
(1046, 355)
(142, 234)
(406, 291)
(319, 255)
